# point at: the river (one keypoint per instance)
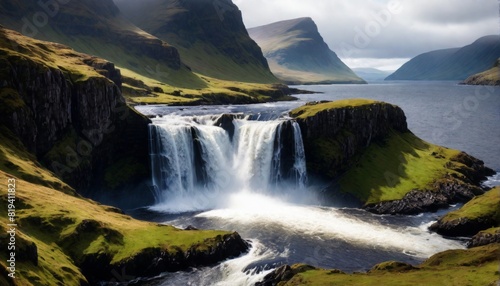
(211, 179)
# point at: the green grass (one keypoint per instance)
(478, 266)
(53, 220)
(310, 109)
(388, 170)
(484, 206)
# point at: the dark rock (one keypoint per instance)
(153, 261)
(282, 273)
(285, 273)
(484, 238)
(445, 192)
(78, 129)
(462, 226)
(353, 128)
(225, 121)
(190, 227)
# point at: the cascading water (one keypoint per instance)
(195, 161)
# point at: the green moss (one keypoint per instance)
(310, 109)
(484, 206)
(389, 170)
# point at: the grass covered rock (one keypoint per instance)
(366, 152)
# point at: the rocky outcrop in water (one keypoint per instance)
(481, 213)
(154, 261)
(484, 238)
(445, 192)
(352, 128)
(367, 141)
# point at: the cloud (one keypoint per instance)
(420, 26)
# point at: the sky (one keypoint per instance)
(383, 34)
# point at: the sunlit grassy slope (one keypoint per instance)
(488, 77)
(478, 266)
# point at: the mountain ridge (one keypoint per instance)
(297, 53)
(451, 64)
(210, 36)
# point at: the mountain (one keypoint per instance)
(489, 77)
(98, 28)
(152, 71)
(210, 36)
(297, 53)
(371, 74)
(451, 64)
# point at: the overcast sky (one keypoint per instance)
(403, 28)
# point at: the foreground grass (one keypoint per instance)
(67, 228)
(478, 266)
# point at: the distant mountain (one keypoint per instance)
(297, 53)
(371, 74)
(210, 36)
(451, 64)
(97, 27)
(489, 77)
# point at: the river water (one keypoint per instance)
(210, 178)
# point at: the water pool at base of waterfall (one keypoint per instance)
(210, 177)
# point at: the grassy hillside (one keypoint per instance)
(297, 53)
(451, 64)
(488, 77)
(210, 36)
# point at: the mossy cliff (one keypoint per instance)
(366, 152)
(63, 111)
(478, 266)
(479, 218)
(67, 109)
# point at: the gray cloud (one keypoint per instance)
(363, 29)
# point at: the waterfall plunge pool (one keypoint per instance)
(249, 176)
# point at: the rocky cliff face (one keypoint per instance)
(352, 128)
(210, 35)
(369, 157)
(74, 120)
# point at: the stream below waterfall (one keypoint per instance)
(247, 173)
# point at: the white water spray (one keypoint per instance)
(195, 163)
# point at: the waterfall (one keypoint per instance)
(196, 160)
